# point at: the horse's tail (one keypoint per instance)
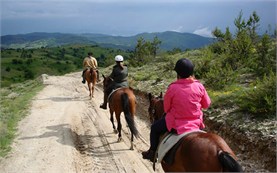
(129, 119)
(228, 163)
(91, 74)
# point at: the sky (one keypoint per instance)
(131, 17)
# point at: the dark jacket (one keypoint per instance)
(120, 76)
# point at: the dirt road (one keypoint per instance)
(65, 131)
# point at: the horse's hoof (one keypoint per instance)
(115, 131)
(119, 139)
(132, 146)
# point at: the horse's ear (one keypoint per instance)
(149, 96)
(103, 76)
(161, 95)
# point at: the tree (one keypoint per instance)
(252, 25)
(145, 51)
(240, 23)
(218, 34)
(155, 46)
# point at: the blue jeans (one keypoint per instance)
(157, 129)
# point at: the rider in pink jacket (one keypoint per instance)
(183, 103)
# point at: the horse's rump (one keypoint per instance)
(169, 145)
(90, 76)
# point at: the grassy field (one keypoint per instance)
(15, 102)
(18, 65)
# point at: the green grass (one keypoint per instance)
(15, 102)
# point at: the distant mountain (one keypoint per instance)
(169, 40)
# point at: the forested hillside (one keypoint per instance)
(169, 40)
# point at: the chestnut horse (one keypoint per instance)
(91, 77)
(198, 151)
(122, 100)
(154, 110)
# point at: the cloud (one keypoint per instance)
(179, 29)
(205, 32)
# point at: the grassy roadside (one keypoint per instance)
(15, 101)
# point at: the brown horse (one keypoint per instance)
(198, 152)
(154, 110)
(91, 77)
(121, 100)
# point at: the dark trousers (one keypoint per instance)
(157, 129)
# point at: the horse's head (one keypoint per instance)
(106, 82)
(156, 108)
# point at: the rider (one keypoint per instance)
(119, 76)
(90, 63)
(183, 103)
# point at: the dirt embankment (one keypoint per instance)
(67, 132)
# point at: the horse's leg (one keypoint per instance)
(89, 89)
(94, 81)
(119, 126)
(111, 118)
(92, 88)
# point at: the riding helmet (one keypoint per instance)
(184, 68)
(118, 58)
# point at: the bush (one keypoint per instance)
(260, 98)
(218, 78)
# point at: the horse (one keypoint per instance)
(154, 110)
(122, 100)
(197, 151)
(91, 77)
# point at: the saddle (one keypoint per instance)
(169, 145)
(114, 90)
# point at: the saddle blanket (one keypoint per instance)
(169, 141)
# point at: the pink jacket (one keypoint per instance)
(183, 103)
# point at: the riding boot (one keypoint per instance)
(150, 155)
(104, 105)
(84, 80)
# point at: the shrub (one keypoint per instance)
(260, 98)
(218, 78)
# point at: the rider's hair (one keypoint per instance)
(120, 64)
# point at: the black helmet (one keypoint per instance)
(184, 68)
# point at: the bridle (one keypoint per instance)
(152, 108)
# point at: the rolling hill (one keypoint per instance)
(169, 40)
